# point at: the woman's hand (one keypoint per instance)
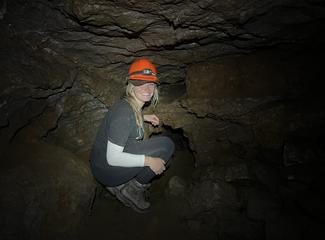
(152, 118)
(157, 165)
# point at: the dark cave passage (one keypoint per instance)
(241, 96)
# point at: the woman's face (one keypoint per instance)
(144, 92)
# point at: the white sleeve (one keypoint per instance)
(116, 157)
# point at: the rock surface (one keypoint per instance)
(46, 196)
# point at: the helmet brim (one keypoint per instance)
(141, 82)
(145, 77)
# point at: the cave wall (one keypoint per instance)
(239, 78)
(92, 43)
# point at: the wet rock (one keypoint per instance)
(291, 155)
(239, 134)
(303, 116)
(315, 229)
(77, 128)
(232, 79)
(171, 74)
(194, 225)
(302, 151)
(108, 86)
(32, 83)
(204, 224)
(216, 127)
(284, 227)
(226, 224)
(302, 158)
(211, 195)
(176, 186)
(269, 126)
(261, 205)
(17, 113)
(230, 173)
(268, 175)
(235, 225)
(237, 173)
(312, 203)
(3, 9)
(209, 173)
(47, 194)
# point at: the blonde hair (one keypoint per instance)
(129, 96)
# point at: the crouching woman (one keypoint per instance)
(121, 159)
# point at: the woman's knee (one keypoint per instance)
(158, 146)
(168, 147)
(168, 144)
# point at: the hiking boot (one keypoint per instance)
(135, 192)
(116, 191)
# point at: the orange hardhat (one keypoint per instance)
(142, 71)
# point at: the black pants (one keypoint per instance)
(160, 146)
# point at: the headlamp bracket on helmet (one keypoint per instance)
(148, 72)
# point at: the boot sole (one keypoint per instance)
(130, 204)
(125, 201)
(116, 193)
(133, 205)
